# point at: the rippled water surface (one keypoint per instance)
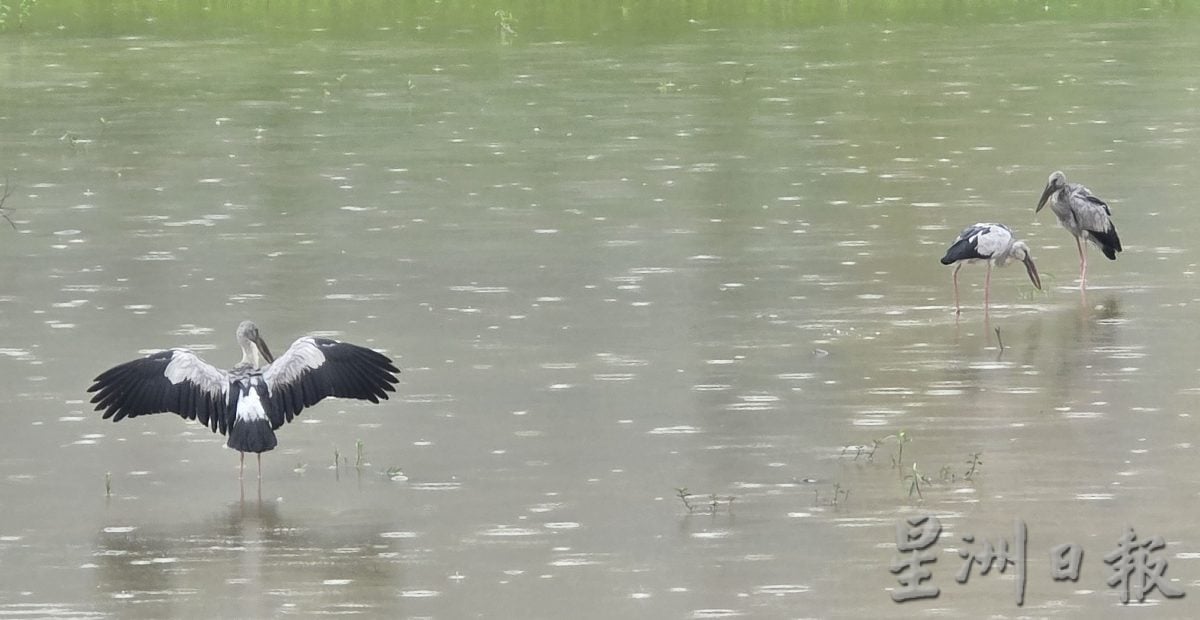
(673, 335)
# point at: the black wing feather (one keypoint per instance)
(141, 387)
(314, 368)
(965, 247)
(1096, 201)
(1108, 241)
(234, 397)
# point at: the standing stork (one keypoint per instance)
(1084, 215)
(993, 243)
(253, 399)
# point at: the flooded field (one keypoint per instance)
(673, 334)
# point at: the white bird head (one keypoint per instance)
(1057, 181)
(254, 348)
(1020, 251)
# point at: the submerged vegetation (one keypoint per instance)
(507, 26)
(393, 473)
(912, 477)
(4, 198)
(837, 497)
(699, 503)
(14, 13)
(868, 452)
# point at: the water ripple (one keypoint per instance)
(674, 430)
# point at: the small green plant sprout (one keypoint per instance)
(506, 25)
(395, 474)
(869, 451)
(336, 458)
(915, 479)
(859, 451)
(999, 340)
(358, 454)
(839, 496)
(683, 495)
(3, 198)
(21, 14)
(901, 439)
(108, 484)
(973, 465)
(714, 501)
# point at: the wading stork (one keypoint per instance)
(993, 243)
(252, 400)
(1084, 215)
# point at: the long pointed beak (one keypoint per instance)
(1033, 272)
(262, 348)
(1045, 195)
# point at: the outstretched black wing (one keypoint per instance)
(176, 380)
(314, 368)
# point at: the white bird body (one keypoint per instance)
(991, 242)
(994, 243)
(249, 406)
